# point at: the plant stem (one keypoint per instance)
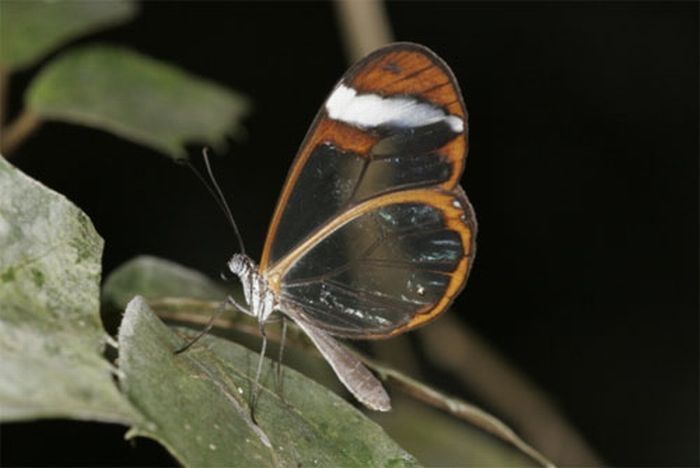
(455, 407)
(364, 25)
(453, 347)
(16, 132)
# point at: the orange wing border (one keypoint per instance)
(458, 216)
(377, 73)
(465, 224)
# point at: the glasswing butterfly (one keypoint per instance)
(372, 235)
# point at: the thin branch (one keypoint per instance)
(454, 348)
(401, 353)
(457, 408)
(17, 131)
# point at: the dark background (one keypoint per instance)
(583, 171)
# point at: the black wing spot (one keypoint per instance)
(392, 67)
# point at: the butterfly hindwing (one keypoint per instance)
(392, 267)
(372, 234)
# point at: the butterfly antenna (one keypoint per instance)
(218, 195)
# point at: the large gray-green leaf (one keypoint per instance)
(31, 29)
(138, 98)
(439, 439)
(196, 404)
(154, 277)
(51, 337)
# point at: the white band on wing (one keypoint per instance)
(372, 110)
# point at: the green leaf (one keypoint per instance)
(31, 29)
(196, 404)
(439, 439)
(153, 278)
(51, 336)
(138, 98)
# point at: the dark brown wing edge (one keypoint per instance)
(459, 278)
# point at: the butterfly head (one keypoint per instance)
(241, 265)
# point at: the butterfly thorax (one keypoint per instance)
(258, 295)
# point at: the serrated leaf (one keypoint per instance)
(138, 98)
(154, 277)
(196, 404)
(51, 336)
(31, 29)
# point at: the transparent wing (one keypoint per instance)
(395, 121)
(372, 235)
(395, 265)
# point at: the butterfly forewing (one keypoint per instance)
(372, 234)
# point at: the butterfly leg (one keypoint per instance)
(255, 391)
(242, 308)
(210, 323)
(205, 330)
(279, 368)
